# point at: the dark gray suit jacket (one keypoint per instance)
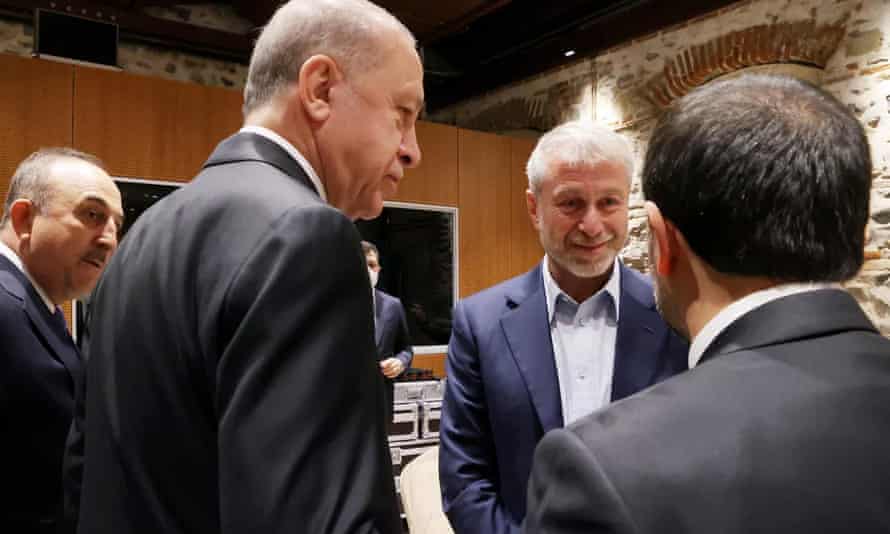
(783, 428)
(231, 379)
(39, 367)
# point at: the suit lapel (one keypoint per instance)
(379, 327)
(799, 316)
(252, 147)
(528, 336)
(57, 340)
(640, 331)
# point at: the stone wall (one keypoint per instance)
(612, 88)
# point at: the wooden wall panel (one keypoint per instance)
(435, 362)
(35, 112)
(525, 247)
(484, 206)
(434, 181)
(149, 127)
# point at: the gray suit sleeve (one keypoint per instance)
(301, 441)
(570, 492)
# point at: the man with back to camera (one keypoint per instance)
(394, 351)
(58, 229)
(233, 386)
(541, 350)
(758, 193)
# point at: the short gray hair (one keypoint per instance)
(345, 30)
(577, 143)
(32, 179)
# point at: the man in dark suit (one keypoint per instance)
(394, 350)
(538, 351)
(232, 383)
(758, 193)
(59, 227)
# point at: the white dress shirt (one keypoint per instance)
(293, 152)
(734, 311)
(14, 258)
(583, 337)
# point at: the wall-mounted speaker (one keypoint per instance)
(67, 37)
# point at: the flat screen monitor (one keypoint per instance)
(73, 38)
(418, 259)
(418, 254)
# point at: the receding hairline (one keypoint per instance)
(284, 37)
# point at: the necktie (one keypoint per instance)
(59, 323)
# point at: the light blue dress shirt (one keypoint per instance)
(583, 337)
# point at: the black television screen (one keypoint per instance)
(61, 35)
(418, 259)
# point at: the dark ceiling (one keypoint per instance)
(469, 46)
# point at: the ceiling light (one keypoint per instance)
(569, 53)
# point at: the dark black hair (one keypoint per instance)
(764, 176)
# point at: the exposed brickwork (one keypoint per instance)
(844, 41)
(785, 42)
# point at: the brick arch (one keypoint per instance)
(797, 43)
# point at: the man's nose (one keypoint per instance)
(409, 150)
(592, 222)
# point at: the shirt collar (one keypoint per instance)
(14, 258)
(740, 307)
(552, 291)
(293, 152)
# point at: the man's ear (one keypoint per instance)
(663, 245)
(21, 217)
(317, 75)
(531, 202)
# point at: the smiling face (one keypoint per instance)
(72, 237)
(581, 216)
(369, 139)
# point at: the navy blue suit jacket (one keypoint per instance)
(39, 366)
(502, 392)
(391, 329)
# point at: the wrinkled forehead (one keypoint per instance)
(564, 171)
(72, 180)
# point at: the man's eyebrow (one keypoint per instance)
(119, 218)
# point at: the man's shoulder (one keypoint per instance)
(386, 298)
(12, 291)
(515, 289)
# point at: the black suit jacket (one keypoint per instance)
(39, 366)
(231, 379)
(783, 428)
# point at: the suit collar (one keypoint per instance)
(378, 315)
(14, 259)
(527, 332)
(740, 307)
(249, 146)
(641, 333)
(820, 312)
(552, 291)
(55, 337)
(292, 152)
